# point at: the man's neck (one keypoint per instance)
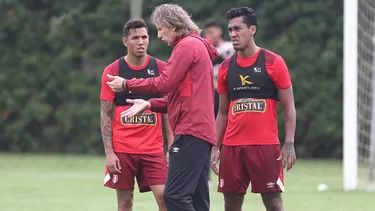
(136, 61)
(248, 52)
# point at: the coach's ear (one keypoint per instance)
(124, 41)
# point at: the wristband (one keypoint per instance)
(123, 84)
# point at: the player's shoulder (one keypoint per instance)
(113, 67)
(270, 57)
(159, 61)
(226, 63)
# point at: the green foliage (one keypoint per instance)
(53, 54)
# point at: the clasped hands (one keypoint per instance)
(117, 83)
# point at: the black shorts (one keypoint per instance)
(187, 188)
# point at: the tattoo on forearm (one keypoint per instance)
(106, 124)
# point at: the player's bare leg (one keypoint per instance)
(158, 191)
(273, 201)
(124, 200)
(233, 202)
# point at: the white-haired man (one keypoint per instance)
(188, 80)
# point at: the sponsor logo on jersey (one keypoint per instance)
(140, 119)
(249, 105)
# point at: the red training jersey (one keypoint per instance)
(254, 128)
(128, 138)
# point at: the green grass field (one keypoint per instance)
(74, 183)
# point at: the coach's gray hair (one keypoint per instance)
(173, 15)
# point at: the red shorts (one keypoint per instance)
(255, 164)
(149, 169)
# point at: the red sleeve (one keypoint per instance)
(161, 65)
(105, 92)
(278, 72)
(159, 105)
(172, 75)
(222, 87)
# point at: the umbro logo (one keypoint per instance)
(270, 185)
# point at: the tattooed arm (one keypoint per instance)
(106, 110)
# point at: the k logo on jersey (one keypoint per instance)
(245, 81)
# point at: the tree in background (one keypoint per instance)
(53, 52)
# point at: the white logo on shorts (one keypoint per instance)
(270, 185)
(115, 178)
(221, 183)
(175, 149)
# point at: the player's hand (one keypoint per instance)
(288, 155)
(138, 106)
(116, 83)
(167, 158)
(215, 157)
(113, 163)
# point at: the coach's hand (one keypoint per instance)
(288, 155)
(215, 156)
(117, 84)
(138, 106)
(113, 163)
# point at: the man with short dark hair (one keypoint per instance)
(250, 84)
(133, 145)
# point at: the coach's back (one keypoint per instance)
(191, 106)
(188, 80)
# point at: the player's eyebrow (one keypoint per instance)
(234, 27)
(138, 36)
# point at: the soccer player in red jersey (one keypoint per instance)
(250, 84)
(133, 145)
